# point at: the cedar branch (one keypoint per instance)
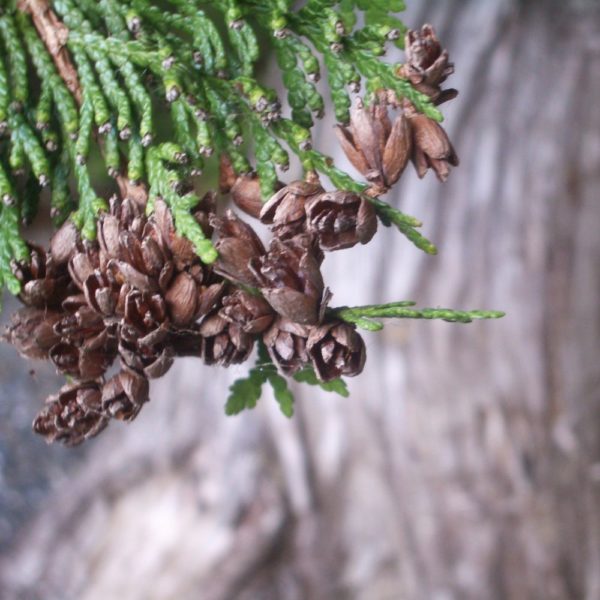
(54, 33)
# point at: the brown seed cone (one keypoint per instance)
(252, 313)
(378, 149)
(124, 395)
(86, 348)
(225, 343)
(335, 349)
(341, 220)
(422, 48)
(144, 343)
(149, 258)
(88, 361)
(427, 64)
(31, 331)
(78, 321)
(432, 148)
(44, 283)
(149, 245)
(290, 280)
(286, 344)
(285, 210)
(73, 415)
(237, 244)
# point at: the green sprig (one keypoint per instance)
(365, 316)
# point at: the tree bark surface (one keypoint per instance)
(466, 463)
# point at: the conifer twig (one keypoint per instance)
(54, 33)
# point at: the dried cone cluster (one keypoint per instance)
(380, 148)
(305, 221)
(139, 296)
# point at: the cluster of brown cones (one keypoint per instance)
(381, 149)
(139, 296)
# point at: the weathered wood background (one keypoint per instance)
(466, 464)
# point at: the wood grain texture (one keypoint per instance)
(466, 464)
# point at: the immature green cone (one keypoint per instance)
(341, 220)
(73, 415)
(286, 209)
(432, 148)
(335, 349)
(378, 149)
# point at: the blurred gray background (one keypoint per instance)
(465, 465)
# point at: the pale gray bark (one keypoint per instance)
(466, 464)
